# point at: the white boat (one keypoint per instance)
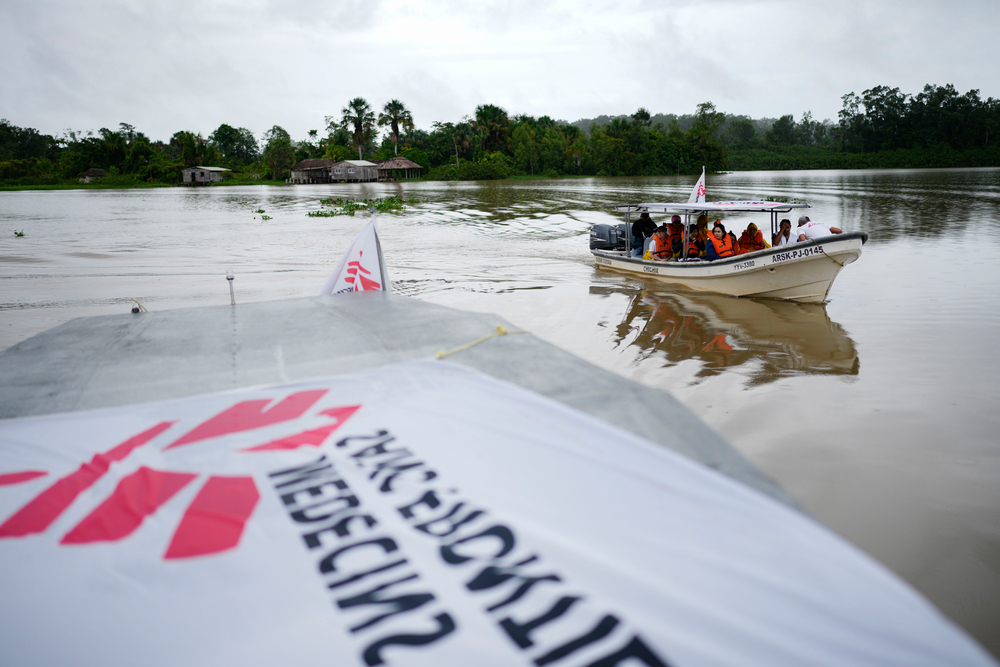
(802, 271)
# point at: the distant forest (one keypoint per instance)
(881, 128)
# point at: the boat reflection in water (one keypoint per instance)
(772, 339)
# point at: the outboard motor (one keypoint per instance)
(607, 237)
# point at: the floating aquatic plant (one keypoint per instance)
(782, 200)
(349, 206)
(18, 233)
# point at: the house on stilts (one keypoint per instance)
(316, 170)
(398, 168)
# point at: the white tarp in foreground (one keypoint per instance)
(420, 514)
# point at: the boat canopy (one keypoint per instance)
(734, 206)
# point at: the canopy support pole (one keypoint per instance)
(628, 231)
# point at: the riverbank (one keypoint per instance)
(114, 186)
(793, 158)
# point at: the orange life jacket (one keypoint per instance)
(661, 248)
(748, 244)
(694, 248)
(675, 231)
(724, 246)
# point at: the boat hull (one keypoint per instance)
(803, 272)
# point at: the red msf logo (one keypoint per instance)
(357, 276)
(215, 518)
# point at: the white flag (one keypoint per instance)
(362, 267)
(698, 193)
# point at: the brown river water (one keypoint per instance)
(878, 411)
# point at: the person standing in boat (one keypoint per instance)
(721, 244)
(784, 235)
(675, 232)
(809, 230)
(703, 234)
(642, 229)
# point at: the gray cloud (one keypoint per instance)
(257, 63)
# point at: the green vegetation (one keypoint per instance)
(29, 159)
(278, 151)
(349, 206)
(395, 115)
(880, 128)
(358, 118)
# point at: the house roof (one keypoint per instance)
(313, 163)
(208, 168)
(399, 162)
(360, 163)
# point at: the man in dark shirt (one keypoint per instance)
(642, 229)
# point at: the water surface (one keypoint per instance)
(879, 411)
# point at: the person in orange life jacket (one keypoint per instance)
(751, 240)
(721, 244)
(642, 229)
(703, 233)
(695, 246)
(809, 230)
(784, 235)
(675, 232)
(732, 237)
(661, 249)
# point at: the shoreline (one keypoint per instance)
(518, 177)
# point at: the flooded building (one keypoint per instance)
(316, 170)
(397, 168)
(355, 170)
(92, 174)
(202, 175)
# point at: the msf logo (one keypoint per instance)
(213, 521)
(358, 276)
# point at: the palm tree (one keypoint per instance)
(357, 117)
(493, 125)
(459, 134)
(395, 114)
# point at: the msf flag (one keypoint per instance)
(698, 193)
(362, 267)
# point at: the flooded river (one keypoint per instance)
(879, 411)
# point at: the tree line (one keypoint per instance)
(881, 127)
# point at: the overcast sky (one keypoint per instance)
(169, 66)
